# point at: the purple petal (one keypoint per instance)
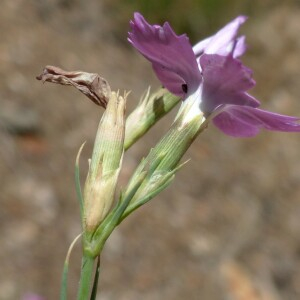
(225, 81)
(223, 38)
(32, 297)
(240, 47)
(245, 121)
(200, 46)
(223, 41)
(172, 57)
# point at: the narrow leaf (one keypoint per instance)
(77, 181)
(64, 281)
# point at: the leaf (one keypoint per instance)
(64, 281)
(77, 181)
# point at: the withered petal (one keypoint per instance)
(92, 85)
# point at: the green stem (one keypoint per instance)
(86, 278)
(96, 279)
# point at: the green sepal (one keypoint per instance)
(160, 184)
(94, 243)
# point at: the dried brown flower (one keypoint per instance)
(90, 84)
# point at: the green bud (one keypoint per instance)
(105, 165)
(162, 162)
(151, 108)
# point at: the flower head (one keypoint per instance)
(209, 74)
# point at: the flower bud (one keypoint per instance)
(105, 164)
(162, 162)
(151, 108)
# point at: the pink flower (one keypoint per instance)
(210, 75)
(32, 297)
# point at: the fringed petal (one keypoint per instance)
(224, 41)
(225, 81)
(245, 121)
(171, 55)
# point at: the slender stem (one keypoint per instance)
(86, 278)
(96, 279)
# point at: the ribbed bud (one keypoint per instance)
(161, 164)
(105, 164)
(151, 108)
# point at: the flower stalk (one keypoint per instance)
(86, 277)
(213, 84)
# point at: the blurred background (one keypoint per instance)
(227, 228)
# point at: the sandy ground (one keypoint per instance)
(228, 227)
